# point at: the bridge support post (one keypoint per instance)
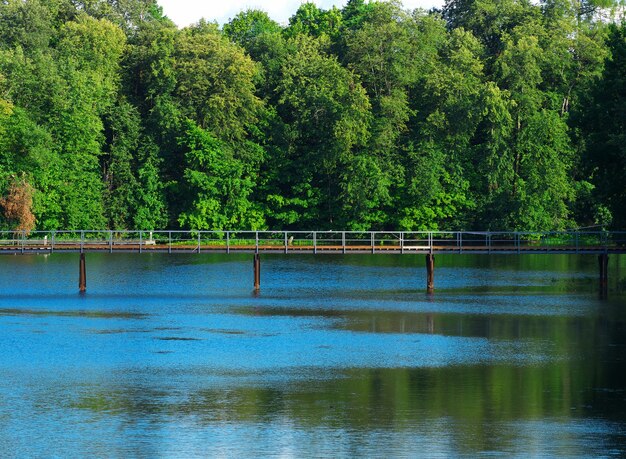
(603, 263)
(430, 273)
(82, 275)
(257, 271)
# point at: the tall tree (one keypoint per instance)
(438, 167)
(118, 164)
(89, 53)
(327, 112)
(604, 126)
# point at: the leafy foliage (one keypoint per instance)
(604, 126)
(491, 114)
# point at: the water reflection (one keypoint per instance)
(510, 357)
(476, 408)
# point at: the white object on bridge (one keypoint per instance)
(150, 241)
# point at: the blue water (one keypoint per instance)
(336, 356)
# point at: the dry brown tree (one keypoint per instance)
(18, 205)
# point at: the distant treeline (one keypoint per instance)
(487, 114)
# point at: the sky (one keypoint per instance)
(185, 12)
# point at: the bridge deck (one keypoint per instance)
(322, 249)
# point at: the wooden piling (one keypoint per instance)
(603, 264)
(430, 273)
(82, 275)
(256, 261)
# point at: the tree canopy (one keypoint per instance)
(488, 114)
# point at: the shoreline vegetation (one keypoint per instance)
(484, 115)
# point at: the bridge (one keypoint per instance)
(429, 243)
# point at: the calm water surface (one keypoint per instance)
(338, 356)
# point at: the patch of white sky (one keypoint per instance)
(185, 12)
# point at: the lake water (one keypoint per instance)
(337, 356)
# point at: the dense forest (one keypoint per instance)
(486, 114)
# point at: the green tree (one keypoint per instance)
(263, 40)
(215, 79)
(150, 82)
(604, 125)
(27, 148)
(448, 101)
(118, 164)
(151, 210)
(327, 113)
(247, 26)
(88, 56)
(529, 176)
(218, 184)
(314, 21)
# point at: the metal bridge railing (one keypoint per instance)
(312, 241)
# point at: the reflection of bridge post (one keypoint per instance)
(257, 271)
(82, 274)
(430, 273)
(603, 262)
